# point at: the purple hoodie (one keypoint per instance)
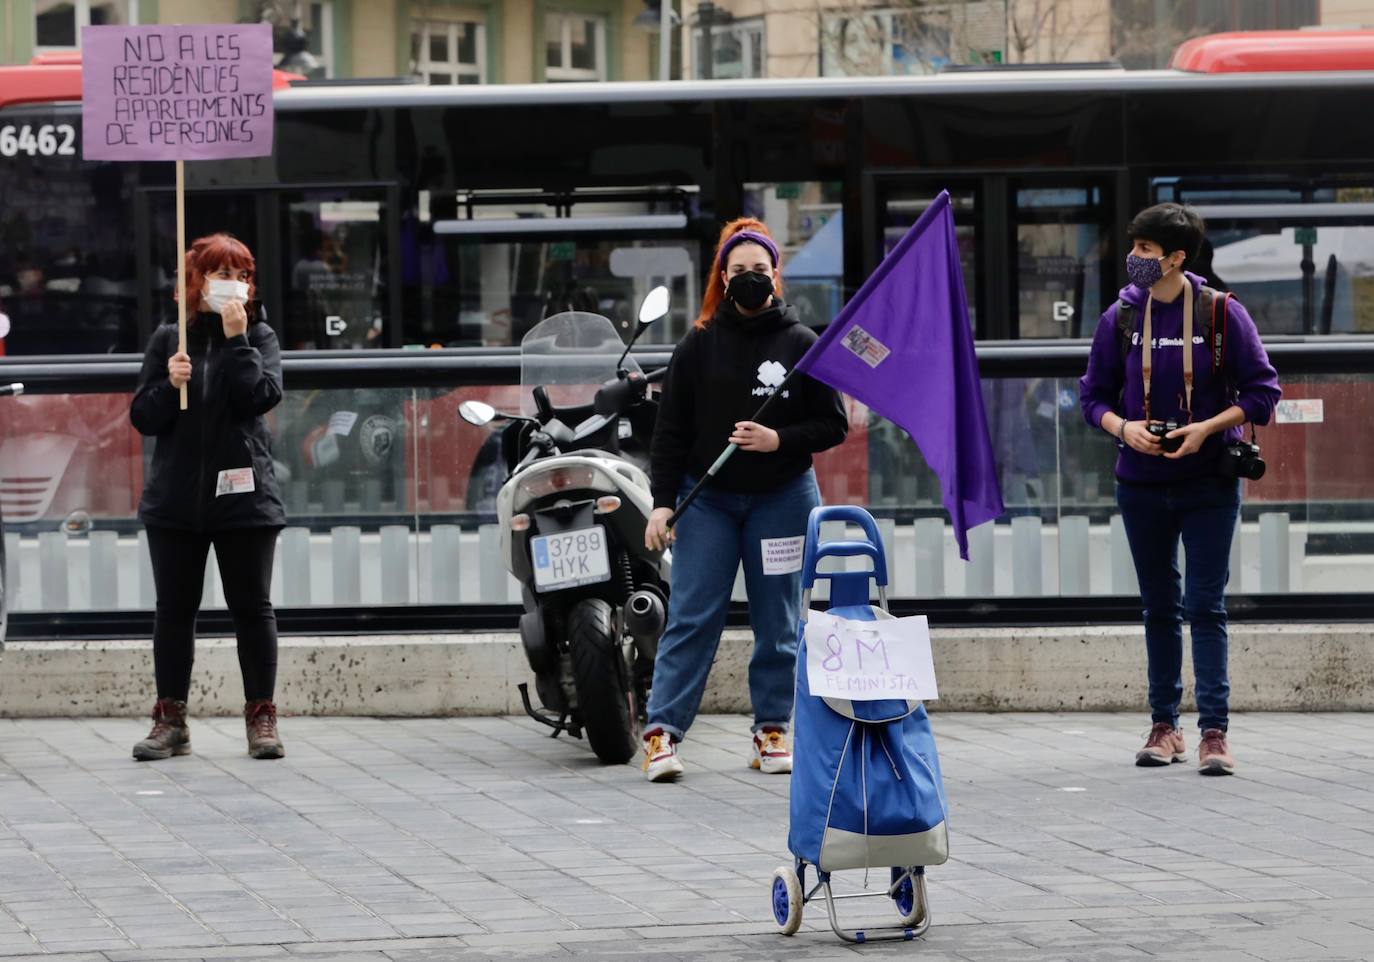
(1247, 368)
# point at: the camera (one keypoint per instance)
(1161, 428)
(1241, 459)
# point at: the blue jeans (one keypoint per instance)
(718, 530)
(1203, 513)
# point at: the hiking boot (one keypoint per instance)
(1164, 746)
(771, 754)
(260, 718)
(661, 763)
(1213, 758)
(169, 736)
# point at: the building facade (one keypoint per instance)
(537, 41)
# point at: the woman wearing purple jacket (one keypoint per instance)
(1178, 483)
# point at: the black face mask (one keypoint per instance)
(750, 290)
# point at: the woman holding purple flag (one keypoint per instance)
(755, 508)
(1176, 413)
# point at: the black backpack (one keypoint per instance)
(1213, 330)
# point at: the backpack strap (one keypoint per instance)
(1125, 331)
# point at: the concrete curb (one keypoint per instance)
(1273, 668)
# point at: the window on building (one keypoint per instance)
(908, 40)
(57, 23)
(449, 52)
(575, 46)
(737, 50)
(320, 27)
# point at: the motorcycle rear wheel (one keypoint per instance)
(605, 700)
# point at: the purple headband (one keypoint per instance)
(748, 236)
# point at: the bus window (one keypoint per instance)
(1299, 256)
(207, 212)
(336, 260)
(807, 222)
(1062, 241)
(67, 271)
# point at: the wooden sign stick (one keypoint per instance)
(181, 266)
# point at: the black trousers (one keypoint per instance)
(245, 558)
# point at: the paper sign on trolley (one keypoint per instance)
(869, 660)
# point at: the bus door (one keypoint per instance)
(1065, 264)
(1038, 251)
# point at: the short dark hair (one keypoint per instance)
(1174, 227)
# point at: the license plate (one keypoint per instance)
(570, 559)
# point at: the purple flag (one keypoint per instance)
(902, 346)
(198, 92)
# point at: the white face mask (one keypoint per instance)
(220, 291)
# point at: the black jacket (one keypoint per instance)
(722, 374)
(234, 382)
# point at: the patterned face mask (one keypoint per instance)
(1145, 272)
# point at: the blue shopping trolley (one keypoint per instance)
(866, 789)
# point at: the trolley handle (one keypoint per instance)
(817, 549)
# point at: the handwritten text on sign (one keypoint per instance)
(869, 660)
(197, 92)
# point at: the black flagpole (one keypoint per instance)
(725, 455)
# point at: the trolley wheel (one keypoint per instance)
(905, 897)
(787, 900)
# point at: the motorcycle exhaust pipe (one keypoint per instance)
(645, 617)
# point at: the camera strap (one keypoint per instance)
(1145, 343)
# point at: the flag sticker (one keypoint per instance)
(865, 346)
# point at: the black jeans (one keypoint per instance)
(245, 558)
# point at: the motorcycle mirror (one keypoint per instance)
(476, 412)
(655, 305)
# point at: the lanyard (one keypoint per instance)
(1187, 351)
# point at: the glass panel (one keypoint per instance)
(756, 55)
(335, 248)
(806, 220)
(402, 457)
(586, 54)
(438, 43)
(469, 78)
(54, 24)
(468, 42)
(1061, 243)
(315, 33)
(440, 78)
(728, 53)
(67, 267)
(904, 206)
(553, 39)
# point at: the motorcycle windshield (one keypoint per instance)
(571, 355)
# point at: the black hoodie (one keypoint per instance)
(234, 382)
(722, 374)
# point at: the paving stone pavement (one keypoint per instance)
(401, 840)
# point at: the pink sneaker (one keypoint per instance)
(1164, 746)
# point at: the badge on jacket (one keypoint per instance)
(234, 481)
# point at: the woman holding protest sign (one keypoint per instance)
(754, 510)
(212, 482)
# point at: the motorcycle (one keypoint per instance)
(572, 515)
(5, 391)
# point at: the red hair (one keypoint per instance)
(207, 255)
(715, 287)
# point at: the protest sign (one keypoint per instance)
(200, 92)
(170, 92)
(869, 660)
